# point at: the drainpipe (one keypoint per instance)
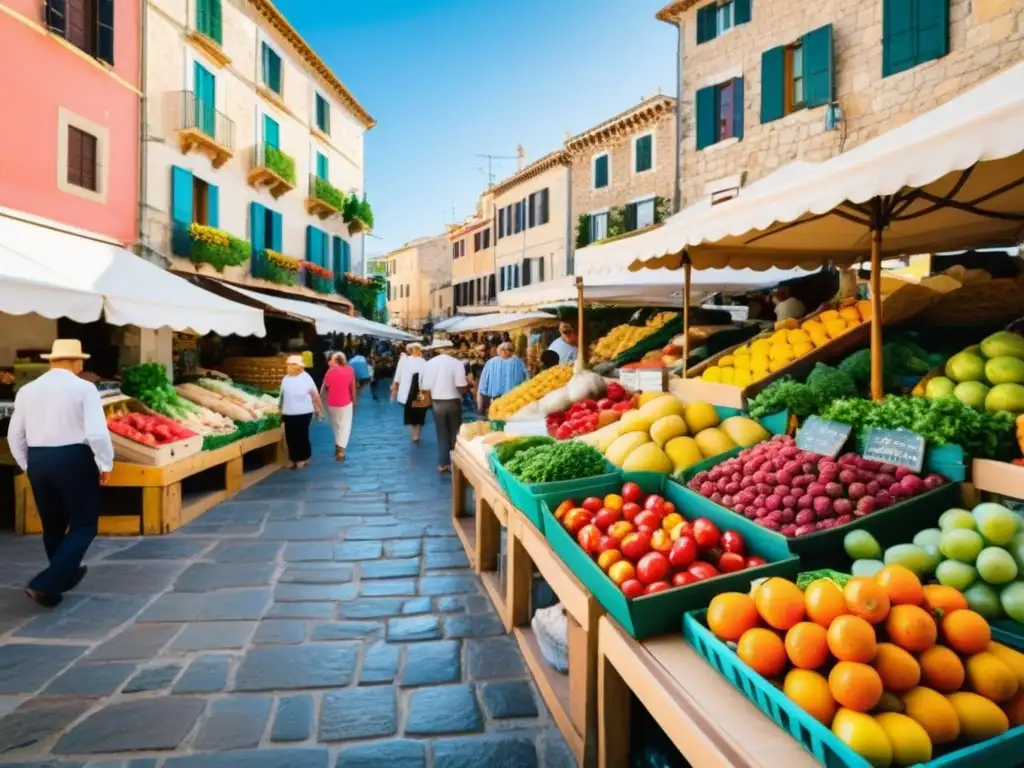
(677, 192)
(570, 243)
(143, 125)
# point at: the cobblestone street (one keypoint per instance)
(321, 619)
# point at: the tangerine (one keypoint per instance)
(900, 584)
(780, 603)
(763, 651)
(807, 645)
(941, 669)
(855, 686)
(824, 602)
(897, 668)
(940, 600)
(966, 632)
(850, 638)
(911, 627)
(866, 598)
(730, 614)
(810, 692)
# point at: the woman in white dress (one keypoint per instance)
(406, 388)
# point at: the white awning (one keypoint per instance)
(67, 274)
(502, 321)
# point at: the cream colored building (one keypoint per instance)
(414, 272)
(773, 81)
(224, 81)
(442, 302)
(474, 282)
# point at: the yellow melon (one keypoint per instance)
(635, 421)
(835, 328)
(729, 376)
(713, 441)
(726, 361)
(621, 447)
(666, 428)
(700, 416)
(682, 452)
(647, 458)
(864, 310)
(662, 406)
(781, 352)
(743, 430)
(712, 374)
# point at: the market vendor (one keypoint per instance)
(501, 374)
(565, 344)
(787, 306)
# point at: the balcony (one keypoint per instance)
(206, 130)
(319, 279)
(324, 199)
(272, 169)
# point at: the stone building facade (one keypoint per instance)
(765, 82)
(414, 272)
(474, 281)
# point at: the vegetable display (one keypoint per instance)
(150, 430)
(624, 337)
(148, 383)
(550, 462)
(783, 394)
(587, 415)
(216, 402)
(530, 391)
(988, 376)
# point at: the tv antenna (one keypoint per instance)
(490, 165)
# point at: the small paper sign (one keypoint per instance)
(896, 446)
(822, 436)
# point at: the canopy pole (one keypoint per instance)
(686, 316)
(581, 345)
(877, 388)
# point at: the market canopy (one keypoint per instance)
(502, 321)
(58, 273)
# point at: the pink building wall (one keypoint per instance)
(39, 75)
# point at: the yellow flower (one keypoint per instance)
(207, 234)
(285, 262)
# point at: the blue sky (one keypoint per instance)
(448, 79)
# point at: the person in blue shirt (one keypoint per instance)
(501, 374)
(361, 368)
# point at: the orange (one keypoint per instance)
(762, 651)
(824, 602)
(730, 614)
(911, 627)
(608, 558)
(850, 638)
(810, 692)
(866, 598)
(897, 668)
(941, 669)
(901, 584)
(807, 645)
(966, 632)
(940, 600)
(855, 686)
(780, 603)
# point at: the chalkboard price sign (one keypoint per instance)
(822, 436)
(896, 446)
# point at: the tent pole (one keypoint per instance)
(877, 388)
(686, 316)
(581, 345)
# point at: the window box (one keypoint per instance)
(204, 129)
(272, 169)
(324, 198)
(281, 269)
(216, 247)
(359, 215)
(320, 279)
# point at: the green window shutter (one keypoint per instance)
(737, 108)
(212, 205)
(325, 249)
(258, 239)
(309, 243)
(277, 232)
(181, 211)
(707, 117)
(741, 12)
(601, 172)
(105, 31)
(205, 100)
(336, 256)
(346, 256)
(817, 46)
(773, 85)
(644, 156)
(216, 21)
(271, 132)
(327, 118)
(932, 29)
(899, 37)
(265, 65)
(707, 23)
(275, 72)
(630, 217)
(322, 166)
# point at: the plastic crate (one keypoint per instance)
(529, 499)
(1001, 752)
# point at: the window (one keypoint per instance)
(323, 114)
(518, 226)
(538, 206)
(86, 24)
(717, 18)
(192, 200)
(322, 166)
(601, 171)
(208, 19)
(527, 276)
(913, 32)
(643, 153)
(271, 132)
(515, 275)
(491, 293)
(271, 69)
(82, 159)
(477, 238)
(720, 112)
(458, 249)
(502, 278)
(486, 238)
(598, 226)
(265, 231)
(797, 76)
(644, 213)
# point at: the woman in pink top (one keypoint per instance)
(339, 393)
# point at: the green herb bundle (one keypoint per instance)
(552, 462)
(783, 394)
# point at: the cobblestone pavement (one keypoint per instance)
(321, 619)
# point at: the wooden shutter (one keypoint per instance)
(105, 30)
(56, 16)
(271, 132)
(216, 20)
(346, 255)
(817, 46)
(932, 29)
(773, 83)
(540, 266)
(181, 211)
(741, 12)
(899, 36)
(526, 272)
(631, 217)
(532, 204)
(212, 205)
(74, 156)
(323, 167)
(737, 107)
(311, 241)
(601, 172)
(501, 272)
(707, 116)
(644, 154)
(707, 23)
(275, 72)
(258, 240)
(544, 209)
(491, 293)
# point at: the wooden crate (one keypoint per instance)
(137, 453)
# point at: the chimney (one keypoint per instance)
(520, 158)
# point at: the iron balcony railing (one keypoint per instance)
(196, 113)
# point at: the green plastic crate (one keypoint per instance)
(529, 498)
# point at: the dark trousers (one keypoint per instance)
(296, 436)
(447, 420)
(66, 484)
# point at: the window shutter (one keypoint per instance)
(817, 46)
(258, 239)
(707, 117)
(322, 166)
(57, 16)
(212, 205)
(631, 217)
(277, 231)
(271, 132)
(515, 275)
(544, 210)
(501, 226)
(105, 31)
(737, 107)
(773, 85)
(899, 37)
(346, 255)
(181, 211)
(265, 56)
(216, 20)
(501, 275)
(533, 206)
(491, 293)
(336, 256)
(932, 29)
(526, 272)
(741, 11)
(327, 117)
(707, 23)
(601, 172)
(311, 241)
(540, 266)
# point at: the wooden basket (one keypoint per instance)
(137, 453)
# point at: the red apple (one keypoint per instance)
(630, 510)
(753, 561)
(636, 545)
(592, 504)
(730, 562)
(632, 588)
(683, 552)
(631, 492)
(647, 519)
(683, 578)
(605, 517)
(620, 529)
(589, 538)
(652, 567)
(706, 533)
(684, 528)
(661, 541)
(701, 570)
(658, 586)
(655, 504)
(607, 544)
(733, 542)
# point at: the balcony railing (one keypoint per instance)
(324, 198)
(272, 169)
(202, 127)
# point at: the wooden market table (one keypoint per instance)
(156, 500)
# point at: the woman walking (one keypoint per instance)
(339, 393)
(406, 389)
(299, 400)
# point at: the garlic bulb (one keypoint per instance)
(555, 402)
(586, 385)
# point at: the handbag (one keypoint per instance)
(422, 400)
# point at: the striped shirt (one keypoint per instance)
(501, 375)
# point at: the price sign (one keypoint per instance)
(896, 446)
(822, 436)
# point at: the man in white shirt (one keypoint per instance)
(787, 306)
(58, 436)
(565, 344)
(444, 378)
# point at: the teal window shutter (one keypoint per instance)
(336, 256)
(741, 11)
(323, 114)
(271, 68)
(205, 94)
(346, 256)
(271, 132)
(601, 172)
(707, 23)
(773, 84)
(932, 29)
(325, 249)
(898, 36)
(105, 31)
(212, 205)
(258, 239)
(644, 153)
(737, 108)
(310, 229)
(216, 21)
(181, 211)
(277, 231)
(707, 116)
(817, 48)
(322, 166)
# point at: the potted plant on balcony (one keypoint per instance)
(281, 269)
(363, 292)
(320, 278)
(328, 193)
(358, 214)
(217, 248)
(280, 163)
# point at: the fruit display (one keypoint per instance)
(644, 545)
(988, 376)
(797, 492)
(791, 341)
(900, 672)
(978, 553)
(530, 391)
(152, 430)
(622, 338)
(587, 415)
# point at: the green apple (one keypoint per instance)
(953, 573)
(982, 599)
(961, 544)
(996, 566)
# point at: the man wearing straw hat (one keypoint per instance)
(58, 436)
(444, 378)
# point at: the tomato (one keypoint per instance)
(575, 519)
(670, 508)
(605, 404)
(701, 570)
(733, 542)
(753, 561)
(683, 578)
(592, 504)
(630, 510)
(658, 586)
(620, 529)
(624, 406)
(655, 504)
(607, 544)
(562, 508)
(683, 552)
(631, 492)
(636, 545)
(613, 501)
(621, 571)
(670, 521)
(652, 567)
(647, 519)
(632, 588)
(706, 533)
(606, 517)
(661, 541)
(730, 562)
(589, 538)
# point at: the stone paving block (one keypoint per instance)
(10, 703)
(133, 726)
(152, 679)
(280, 632)
(556, 753)
(494, 658)
(447, 585)
(499, 751)
(413, 628)
(348, 630)
(255, 758)
(305, 593)
(393, 753)
(234, 723)
(162, 549)
(431, 663)
(126, 578)
(15, 608)
(510, 699)
(439, 561)
(336, 574)
(269, 668)
(174, 607)
(358, 713)
(26, 667)
(235, 605)
(358, 550)
(454, 604)
(245, 552)
(442, 710)
(417, 605)
(85, 679)
(306, 551)
(307, 529)
(213, 636)
(37, 720)
(442, 544)
(388, 588)
(380, 663)
(206, 674)
(139, 641)
(84, 618)
(294, 719)
(403, 547)
(391, 569)
(382, 532)
(481, 625)
(205, 577)
(301, 611)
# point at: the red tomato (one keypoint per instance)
(733, 542)
(636, 545)
(753, 561)
(605, 517)
(706, 533)
(589, 538)
(607, 543)
(731, 562)
(624, 406)
(631, 492)
(592, 504)
(661, 541)
(564, 432)
(683, 552)
(620, 529)
(632, 588)
(658, 586)
(655, 504)
(652, 567)
(630, 510)
(575, 519)
(669, 509)
(647, 519)
(701, 570)
(589, 405)
(683, 578)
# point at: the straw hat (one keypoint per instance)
(295, 360)
(440, 344)
(413, 345)
(66, 349)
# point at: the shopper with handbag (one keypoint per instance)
(445, 379)
(406, 388)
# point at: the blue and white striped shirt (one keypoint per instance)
(500, 376)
